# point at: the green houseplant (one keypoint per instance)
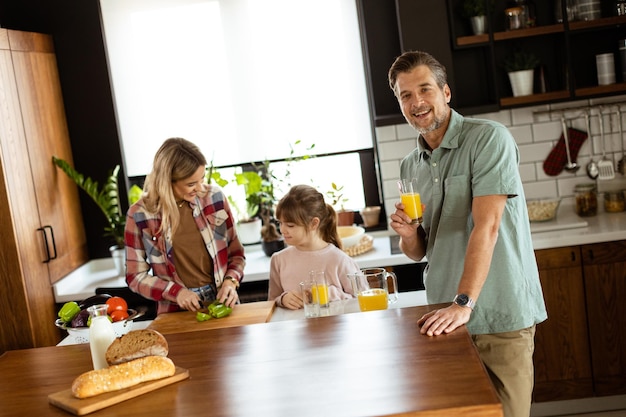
(337, 199)
(476, 11)
(107, 199)
(520, 66)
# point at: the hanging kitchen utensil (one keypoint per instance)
(570, 166)
(605, 166)
(592, 166)
(620, 163)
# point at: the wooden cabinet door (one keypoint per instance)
(605, 287)
(46, 133)
(33, 194)
(562, 360)
(21, 244)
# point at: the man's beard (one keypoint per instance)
(436, 124)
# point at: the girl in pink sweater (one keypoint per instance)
(309, 227)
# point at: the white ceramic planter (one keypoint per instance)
(522, 82)
(249, 232)
(119, 258)
(479, 24)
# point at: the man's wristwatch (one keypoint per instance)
(234, 280)
(464, 300)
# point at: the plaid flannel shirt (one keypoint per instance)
(150, 269)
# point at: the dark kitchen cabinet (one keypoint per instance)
(562, 365)
(580, 351)
(604, 266)
(475, 63)
(43, 237)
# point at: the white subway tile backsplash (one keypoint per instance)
(535, 152)
(396, 150)
(535, 133)
(386, 133)
(390, 169)
(547, 131)
(528, 172)
(522, 134)
(405, 131)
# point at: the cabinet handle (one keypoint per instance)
(591, 254)
(45, 239)
(573, 256)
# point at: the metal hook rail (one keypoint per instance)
(582, 109)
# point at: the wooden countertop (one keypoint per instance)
(362, 364)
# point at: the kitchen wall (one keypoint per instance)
(536, 134)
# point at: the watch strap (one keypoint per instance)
(234, 280)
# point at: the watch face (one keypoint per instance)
(461, 299)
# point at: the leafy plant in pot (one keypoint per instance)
(107, 199)
(520, 66)
(337, 199)
(476, 11)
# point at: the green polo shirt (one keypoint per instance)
(477, 158)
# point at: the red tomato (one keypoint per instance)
(119, 315)
(116, 303)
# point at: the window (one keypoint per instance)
(243, 79)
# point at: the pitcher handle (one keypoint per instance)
(392, 295)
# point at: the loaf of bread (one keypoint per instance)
(125, 375)
(136, 344)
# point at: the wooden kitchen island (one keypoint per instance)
(362, 364)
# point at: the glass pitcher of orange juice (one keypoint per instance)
(375, 288)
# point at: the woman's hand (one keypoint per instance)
(227, 293)
(188, 300)
(292, 301)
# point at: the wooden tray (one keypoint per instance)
(66, 401)
(185, 321)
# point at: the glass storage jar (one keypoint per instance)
(586, 200)
(613, 201)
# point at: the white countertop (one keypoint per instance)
(568, 229)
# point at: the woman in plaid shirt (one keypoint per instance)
(182, 248)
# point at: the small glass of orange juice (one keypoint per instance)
(320, 289)
(411, 199)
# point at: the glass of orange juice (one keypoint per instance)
(320, 289)
(411, 199)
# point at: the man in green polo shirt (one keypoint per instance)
(475, 231)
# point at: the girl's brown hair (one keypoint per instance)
(301, 204)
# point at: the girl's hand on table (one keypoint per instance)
(292, 301)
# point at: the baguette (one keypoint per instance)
(122, 376)
(136, 344)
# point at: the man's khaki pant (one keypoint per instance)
(508, 358)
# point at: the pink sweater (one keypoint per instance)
(291, 266)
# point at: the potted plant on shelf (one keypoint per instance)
(337, 200)
(520, 66)
(476, 12)
(107, 199)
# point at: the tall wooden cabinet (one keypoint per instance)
(41, 224)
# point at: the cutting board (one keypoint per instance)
(185, 321)
(65, 400)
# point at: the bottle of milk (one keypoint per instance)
(101, 335)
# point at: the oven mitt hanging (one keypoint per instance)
(555, 162)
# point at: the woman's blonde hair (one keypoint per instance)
(301, 204)
(176, 159)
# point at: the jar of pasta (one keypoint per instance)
(586, 200)
(613, 201)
